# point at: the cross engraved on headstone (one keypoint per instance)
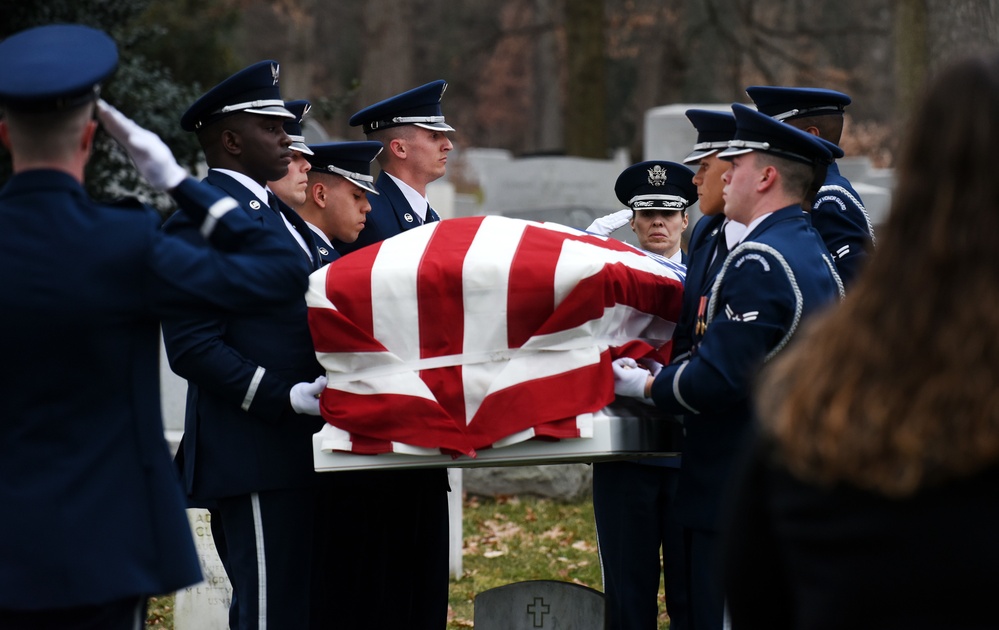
(538, 609)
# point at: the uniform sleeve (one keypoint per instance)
(756, 307)
(223, 262)
(195, 343)
(197, 352)
(844, 227)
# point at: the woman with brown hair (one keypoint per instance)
(869, 500)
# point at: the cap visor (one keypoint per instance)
(731, 153)
(695, 156)
(273, 110)
(365, 185)
(298, 146)
(435, 126)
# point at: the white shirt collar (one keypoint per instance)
(749, 228)
(416, 201)
(734, 233)
(320, 233)
(249, 184)
(677, 257)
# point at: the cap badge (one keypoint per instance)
(275, 71)
(408, 217)
(255, 204)
(657, 175)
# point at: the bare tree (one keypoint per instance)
(586, 84)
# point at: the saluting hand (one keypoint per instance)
(152, 157)
(603, 226)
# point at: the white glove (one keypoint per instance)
(607, 224)
(653, 366)
(629, 378)
(305, 396)
(151, 155)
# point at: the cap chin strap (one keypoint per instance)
(349, 174)
(405, 120)
(704, 146)
(272, 102)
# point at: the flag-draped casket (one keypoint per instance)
(481, 332)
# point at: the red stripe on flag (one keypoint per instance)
(531, 297)
(394, 417)
(583, 390)
(348, 286)
(332, 331)
(440, 296)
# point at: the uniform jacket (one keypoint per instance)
(240, 433)
(93, 511)
(390, 214)
(777, 275)
(839, 216)
(699, 250)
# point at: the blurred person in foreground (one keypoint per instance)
(869, 497)
(95, 519)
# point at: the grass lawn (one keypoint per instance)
(507, 539)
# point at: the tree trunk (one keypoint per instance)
(911, 55)
(585, 108)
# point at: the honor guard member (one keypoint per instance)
(714, 234)
(838, 214)
(633, 500)
(291, 188)
(776, 276)
(411, 127)
(336, 205)
(253, 379)
(399, 518)
(82, 286)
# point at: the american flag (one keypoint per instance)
(480, 332)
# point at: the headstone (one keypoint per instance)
(204, 606)
(173, 400)
(565, 482)
(568, 190)
(669, 134)
(539, 604)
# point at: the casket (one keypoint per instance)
(460, 340)
(622, 430)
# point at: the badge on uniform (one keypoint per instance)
(323, 251)
(408, 217)
(702, 324)
(255, 204)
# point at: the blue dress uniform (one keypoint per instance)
(352, 161)
(394, 569)
(633, 500)
(838, 213)
(391, 213)
(94, 513)
(245, 452)
(706, 248)
(766, 285)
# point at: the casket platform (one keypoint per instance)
(488, 341)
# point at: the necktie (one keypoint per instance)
(431, 215)
(720, 252)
